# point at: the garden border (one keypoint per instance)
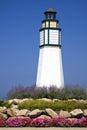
(43, 128)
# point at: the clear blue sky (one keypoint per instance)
(20, 21)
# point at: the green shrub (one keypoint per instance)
(34, 104)
(57, 106)
(4, 103)
(20, 92)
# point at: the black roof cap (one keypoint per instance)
(50, 10)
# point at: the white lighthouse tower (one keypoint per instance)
(50, 70)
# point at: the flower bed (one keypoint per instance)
(54, 122)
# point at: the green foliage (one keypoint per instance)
(57, 106)
(20, 92)
(17, 92)
(4, 103)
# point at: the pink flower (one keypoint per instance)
(2, 123)
(18, 121)
(53, 122)
(37, 122)
(80, 122)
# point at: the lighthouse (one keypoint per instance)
(50, 69)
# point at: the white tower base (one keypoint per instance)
(50, 71)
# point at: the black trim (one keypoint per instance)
(50, 29)
(52, 12)
(54, 45)
(47, 20)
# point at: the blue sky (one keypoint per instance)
(20, 21)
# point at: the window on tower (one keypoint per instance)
(43, 25)
(41, 37)
(53, 37)
(53, 24)
(50, 16)
(60, 37)
(47, 24)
